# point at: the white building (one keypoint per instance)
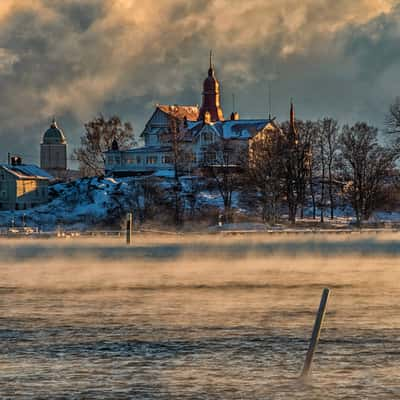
(200, 127)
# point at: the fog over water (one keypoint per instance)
(199, 318)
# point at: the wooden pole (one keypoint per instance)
(131, 225)
(315, 334)
(128, 228)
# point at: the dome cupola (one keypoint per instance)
(54, 135)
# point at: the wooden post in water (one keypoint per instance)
(129, 228)
(315, 334)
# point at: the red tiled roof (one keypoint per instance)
(180, 112)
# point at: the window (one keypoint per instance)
(133, 160)
(227, 156)
(209, 157)
(167, 159)
(207, 137)
(151, 160)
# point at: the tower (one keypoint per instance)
(53, 151)
(211, 97)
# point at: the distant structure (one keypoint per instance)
(22, 186)
(200, 128)
(53, 151)
(211, 110)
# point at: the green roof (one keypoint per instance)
(54, 135)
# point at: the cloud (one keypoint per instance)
(7, 60)
(75, 58)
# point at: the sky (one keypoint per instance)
(74, 59)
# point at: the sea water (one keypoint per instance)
(199, 317)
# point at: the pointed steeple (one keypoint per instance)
(292, 118)
(291, 114)
(211, 96)
(292, 123)
(211, 67)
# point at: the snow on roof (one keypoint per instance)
(27, 171)
(178, 111)
(147, 149)
(232, 129)
(243, 129)
(195, 127)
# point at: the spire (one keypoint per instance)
(291, 114)
(292, 123)
(53, 122)
(211, 67)
(211, 96)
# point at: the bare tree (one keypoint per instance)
(322, 137)
(179, 155)
(98, 138)
(330, 132)
(307, 144)
(297, 163)
(263, 172)
(192, 190)
(289, 157)
(365, 166)
(222, 162)
(313, 171)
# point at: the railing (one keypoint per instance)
(36, 233)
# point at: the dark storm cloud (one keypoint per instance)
(75, 58)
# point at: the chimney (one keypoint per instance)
(235, 116)
(15, 160)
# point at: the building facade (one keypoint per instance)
(53, 151)
(22, 186)
(197, 128)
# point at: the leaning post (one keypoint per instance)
(129, 228)
(315, 334)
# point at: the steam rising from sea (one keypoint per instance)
(199, 318)
(164, 249)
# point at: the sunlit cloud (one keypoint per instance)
(75, 58)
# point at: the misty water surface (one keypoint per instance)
(196, 318)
